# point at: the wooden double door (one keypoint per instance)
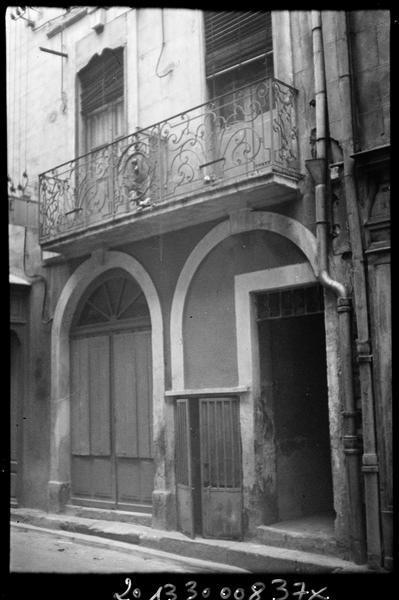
(111, 410)
(208, 467)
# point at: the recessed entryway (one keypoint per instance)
(293, 406)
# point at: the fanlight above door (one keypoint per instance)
(115, 298)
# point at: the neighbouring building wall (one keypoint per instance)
(368, 34)
(370, 48)
(33, 400)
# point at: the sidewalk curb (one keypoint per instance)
(245, 555)
(126, 547)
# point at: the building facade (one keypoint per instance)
(207, 287)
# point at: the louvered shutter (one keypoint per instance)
(102, 80)
(234, 37)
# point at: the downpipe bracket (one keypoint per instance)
(344, 305)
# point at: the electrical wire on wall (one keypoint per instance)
(25, 173)
(170, 70)
(63, 94)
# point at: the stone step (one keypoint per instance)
(300, 540)
(138, 518)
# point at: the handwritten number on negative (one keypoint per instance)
(302, 592)
(191, 585)
(123, 595)
(281, 588)
(257, 589)
(171, 594)
(157, 595)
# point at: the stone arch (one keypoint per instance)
(243, 221)
(83, 276)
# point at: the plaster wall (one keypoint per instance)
(16, 237)
(36, 410)
(163, 257)
(209, 330)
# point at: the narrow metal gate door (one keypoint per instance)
(220, 468)
(184, 484)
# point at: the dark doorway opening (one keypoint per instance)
(294, 404)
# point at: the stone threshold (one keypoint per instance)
(122, 516)
(309, 534)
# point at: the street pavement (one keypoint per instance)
(37, 550)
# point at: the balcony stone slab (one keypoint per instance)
(270, 188)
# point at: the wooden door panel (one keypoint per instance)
(111, 417)
(99, 367)
(102, 478)
(80, 422)
(133, 394)
(220, 468)
(125, 395)
(81, 475)
(184, 485)
(143, 372)
(135, 480)
(128, 473)
(221, 515)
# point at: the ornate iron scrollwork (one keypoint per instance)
(225, 139)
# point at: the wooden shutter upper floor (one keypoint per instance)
(234, 37)
(102, 80)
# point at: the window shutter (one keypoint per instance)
(233, 37)
(102, 80)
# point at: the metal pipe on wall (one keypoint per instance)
(369, 459)
(319, 175)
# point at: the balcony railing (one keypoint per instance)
(227, 139)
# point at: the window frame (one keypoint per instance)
(81, 147)
(239, 66)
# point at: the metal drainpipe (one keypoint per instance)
(351, 450)
(370, 459)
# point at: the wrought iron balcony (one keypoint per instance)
(226, 140)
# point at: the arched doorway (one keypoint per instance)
(111, 396)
